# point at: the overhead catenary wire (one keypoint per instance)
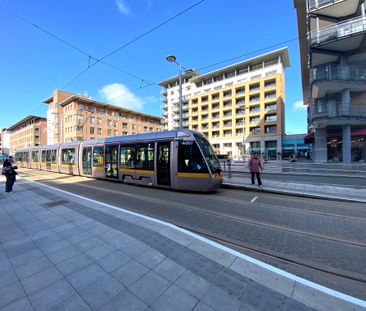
(58, 38)
(132, 41)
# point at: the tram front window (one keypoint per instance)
(209, 154)
(190, 159)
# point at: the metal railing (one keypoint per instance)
(316, 4)
(334, 110)
(339, 30)
(338, 72)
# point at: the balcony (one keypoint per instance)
(335, 78)
(334, 8)
(164, 91)
(331, 112)
(163, 99)
(333, 37)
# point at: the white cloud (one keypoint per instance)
(119, 95)
(299, 105)
(122, 7)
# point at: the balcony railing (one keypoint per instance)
(334, 110)
(316, 4)
(338, 72)
(337, 31)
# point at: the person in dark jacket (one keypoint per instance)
(9, 173)
(255, 167)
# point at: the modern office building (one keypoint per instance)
(73, 117)
(28, 132)
(239, 108)
(333, 61)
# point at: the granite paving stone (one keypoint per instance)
(175, 299)
(113, 261)
(73, 303)
(32, 267)
(149, 287)
(150, 258)
(22, 304)
(10, 293)
(51, 295)
(130, 272)
(100, 292)
(192, 284)
(41, 279)
(90, 243)
(86, 276)
(100, 251)
(203, 307)
(73, 264)
(63, 253)
(220, 301)
(169, 270)
(124, 301)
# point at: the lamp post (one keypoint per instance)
(182, 69)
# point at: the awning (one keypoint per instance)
(309, 139)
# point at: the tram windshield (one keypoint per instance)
(208, 153)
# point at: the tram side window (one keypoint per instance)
(98, 156)
(145, 157)
(26, 156)
(48, 156)
(18, 157)
(43, 156)
(68, 156)
(127, 155)
(190, 158)
(53, 156)
(35, 156)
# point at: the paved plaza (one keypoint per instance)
(63, 252)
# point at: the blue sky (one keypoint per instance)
(33, 64)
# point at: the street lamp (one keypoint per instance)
(182, 69)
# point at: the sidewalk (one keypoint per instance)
(61, 251)
(299, 189)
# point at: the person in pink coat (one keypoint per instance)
(255, 167)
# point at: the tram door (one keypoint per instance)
(163, 164)
(87, 160)
(111, 161)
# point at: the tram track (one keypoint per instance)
(240, 245)
(227, 216)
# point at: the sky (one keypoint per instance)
(33, 62)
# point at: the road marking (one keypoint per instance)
(253, 200)
(321, 288)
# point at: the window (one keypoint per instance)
(109, 122)
(98, 156)
(43, 159)
(68, 156)
(115, 133)
(53, 156)
(109, 132)
(127, 155)
(115, 123)
(190, 159)
(92, 130)
(91, 120)
(99, 121)
(35, 155)
(99, 130)
(145, 157)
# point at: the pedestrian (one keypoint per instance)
(10, 173)
(255, 167)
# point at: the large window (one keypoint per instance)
(53, 156)
(43, 160)
(35, 156)
(127, 155)
(98, 156)
(145, 157)
(68, 156)
(190, 159)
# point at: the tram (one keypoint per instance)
(178, 159)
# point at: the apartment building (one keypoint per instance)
(4, 142)
(28, 132)
(239, 108)
(73, 117)
(333, 60)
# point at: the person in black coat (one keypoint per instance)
(10, 173)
